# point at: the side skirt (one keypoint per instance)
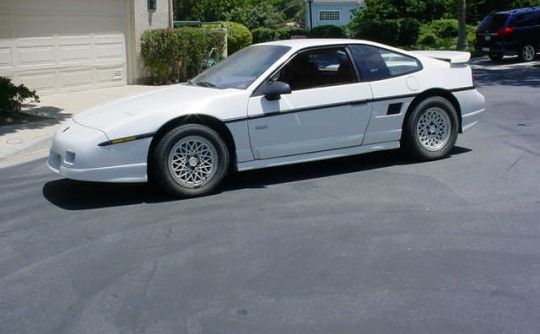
(307, 157)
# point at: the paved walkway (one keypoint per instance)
(24, 142)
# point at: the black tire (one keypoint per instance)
(496, 57)
(527, 53)
(430, 130)
(189, 161)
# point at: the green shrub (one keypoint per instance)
(382, 31)
(12, 96)
(261, 35)
(428, 40)
(402, 32)
(445, 28)
(409, 30)
(238, 37)
(328, 31)
(178, 54)
(289, 32)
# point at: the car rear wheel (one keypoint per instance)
(527, 53)
(190, 160)
(431, 129)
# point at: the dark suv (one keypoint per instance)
(511, 32)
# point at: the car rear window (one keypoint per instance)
(493, 22)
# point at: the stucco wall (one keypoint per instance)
(143, 19)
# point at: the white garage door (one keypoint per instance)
(63, 45)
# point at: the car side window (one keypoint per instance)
(318, 68)
(378, 64)
(525, 20)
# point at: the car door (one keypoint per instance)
(394, 84)
(327, 108)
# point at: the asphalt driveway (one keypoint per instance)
(370, 244)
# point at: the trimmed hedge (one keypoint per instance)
(289, 32)
(446, 28)
(382, 31)
(238, 37)
(328, 31)
(261, 35)
(172, 55)
(409, 30)
(402, 32)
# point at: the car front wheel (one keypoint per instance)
(190, 160)
(431, 129)
(527, 53)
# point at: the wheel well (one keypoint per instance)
(432, 93)
(209, 121)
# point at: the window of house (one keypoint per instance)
(329, 15)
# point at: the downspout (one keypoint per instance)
(171, 14)
(310, 15)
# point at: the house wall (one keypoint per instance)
(142, 19)
(345, 9)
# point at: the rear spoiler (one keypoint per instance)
(453, 57)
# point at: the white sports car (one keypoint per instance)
(274, 104)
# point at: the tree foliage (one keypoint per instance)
(262, 15)
(478, 9)
(421, 10)
(428, 10)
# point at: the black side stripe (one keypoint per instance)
(333, 105)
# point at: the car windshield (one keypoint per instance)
(242, 68)
(493, 22)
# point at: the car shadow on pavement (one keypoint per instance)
(79, 195)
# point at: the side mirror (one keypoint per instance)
(273, 90)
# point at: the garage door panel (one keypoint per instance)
(110, 75)
(75, 54)
(75, 50)
(36, 56)
(51, 7)
(32, 26)
(75, 78)
(40, 80)
(64, 45)
(27, 6)
(6, 61)
(4, 27)
(109, 48)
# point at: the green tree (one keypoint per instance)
(478, 9)
(421, 10)
(205, 10)
(262, 15)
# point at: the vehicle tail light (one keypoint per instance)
(504, 31)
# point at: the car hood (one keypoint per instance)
(176, 100)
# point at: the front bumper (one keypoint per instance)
(75, 154)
